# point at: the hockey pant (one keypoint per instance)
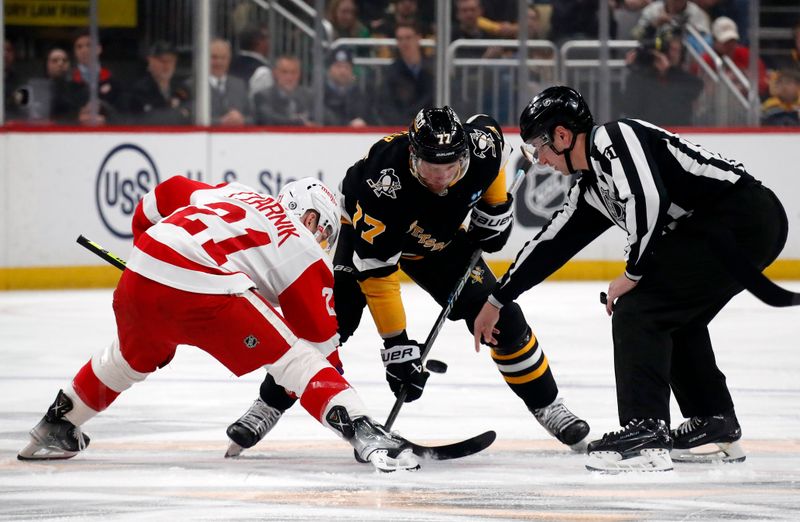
(243, 332)
(518, 356)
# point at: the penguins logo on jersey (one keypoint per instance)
(482, 143)
(477, 275)
(388, 183)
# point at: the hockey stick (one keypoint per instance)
(448, 307)
(101, 252)
(443, 452)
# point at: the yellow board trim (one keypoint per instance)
(60, 277)
(522, 379)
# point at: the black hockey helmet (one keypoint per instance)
(558, 105)
(437, 136)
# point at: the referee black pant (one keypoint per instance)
(660, 328)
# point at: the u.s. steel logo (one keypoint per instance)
(125, 176)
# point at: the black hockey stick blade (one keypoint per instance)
(455, 450)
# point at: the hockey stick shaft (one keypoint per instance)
(448, 307)
(101, 252)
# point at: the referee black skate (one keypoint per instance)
(699, 230)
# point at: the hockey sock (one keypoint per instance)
(527, 373)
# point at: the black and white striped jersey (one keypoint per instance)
(640, 178)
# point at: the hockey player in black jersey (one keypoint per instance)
(403, 206)
(695, 222)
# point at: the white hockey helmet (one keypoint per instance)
(311, 194)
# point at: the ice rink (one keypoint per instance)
(157, 453)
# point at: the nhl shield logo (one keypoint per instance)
(387, 184)
(251, 341)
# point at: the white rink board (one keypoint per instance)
(49, 181)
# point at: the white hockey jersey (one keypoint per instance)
(227, 239)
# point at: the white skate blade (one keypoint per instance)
(234, 450)
(35, 451)
(714, 453)
(405, 461)
(612, 462)
(580, 447)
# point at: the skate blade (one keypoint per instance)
(611, 462)
(233, 451)
(714, 453)
(580, 447)
(405, 461)
(35, 451)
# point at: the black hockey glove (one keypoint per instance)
(401, 358)
(490, 225)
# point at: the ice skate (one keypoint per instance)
(708, 439)
(563, 425)
(372, 443)
(55, 437)
(251, 427)
(642, 445)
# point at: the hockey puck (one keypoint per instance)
(435, 366)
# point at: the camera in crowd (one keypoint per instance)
(655, 39)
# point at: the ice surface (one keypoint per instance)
(156, 454)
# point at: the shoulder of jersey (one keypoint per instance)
(484, 138)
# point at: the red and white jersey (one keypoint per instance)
(229, 238)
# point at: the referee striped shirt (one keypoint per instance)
(641, 178)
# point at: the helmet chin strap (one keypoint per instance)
(566, 152)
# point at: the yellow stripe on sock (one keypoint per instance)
(519, 352)
(522, 379)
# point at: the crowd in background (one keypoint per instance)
(249, 88)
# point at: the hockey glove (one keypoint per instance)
(401, 358)
(490, 225)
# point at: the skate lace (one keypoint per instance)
(689, 425)
(556, 417)
(627, 427)
(260, 417)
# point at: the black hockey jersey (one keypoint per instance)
(394, 215)
(640, 178)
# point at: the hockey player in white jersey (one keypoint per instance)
(208, 269)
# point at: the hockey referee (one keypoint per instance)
(699, 230)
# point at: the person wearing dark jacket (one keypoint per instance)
(158, 98)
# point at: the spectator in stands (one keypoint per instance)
(372, 11)
(287, 102)
(658, 88)
(726, 44)
(346, 105)
(159, 98)
(65, 97)
(230, 105)
(783, 109)
(408, 84)
(626, 15)
(343, 16)
(403, 12)
(251, 64)
(737, 10)
(109, 90)
(14, 98)
(576, 20)
(467, 26)
(672, 12)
